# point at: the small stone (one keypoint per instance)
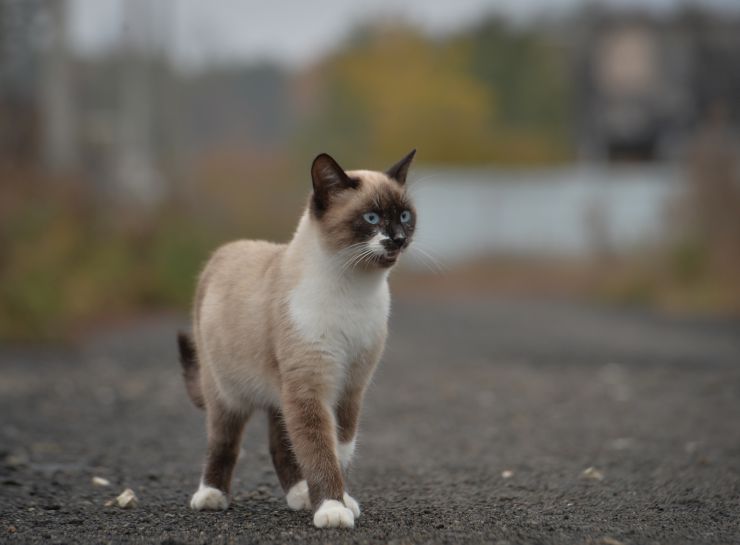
(17, 459)
(100, 481)
(593, 474)
(507, 474)
(12, 529)
(622, 443)
(609, 541)
(127, 500)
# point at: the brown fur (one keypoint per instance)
(225, 430)
(190, 369)
(281, 451)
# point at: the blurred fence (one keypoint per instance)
(577, 211)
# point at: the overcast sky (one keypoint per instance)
(292, 32)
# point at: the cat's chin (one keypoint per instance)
(387, 260)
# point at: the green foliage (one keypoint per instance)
(64, 266)
(525, 71)
(175, 254)
(688, 261)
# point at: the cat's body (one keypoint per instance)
(297, 329)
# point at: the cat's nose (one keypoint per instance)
(399, 239)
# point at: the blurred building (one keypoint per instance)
(128, 118)
(19, 67)
(645, 83)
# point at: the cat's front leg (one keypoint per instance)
(348, 415)
(349, 407)
(312, 430)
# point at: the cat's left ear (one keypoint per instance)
(328, 178)
(399, 170)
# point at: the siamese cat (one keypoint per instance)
(297, 330)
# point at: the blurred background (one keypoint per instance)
(565, 149)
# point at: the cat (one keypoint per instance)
(297, 330)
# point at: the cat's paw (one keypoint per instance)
(333, 514)
(297, 497)
(351, 504)
(208, 498)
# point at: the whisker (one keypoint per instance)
(363, 257)
(429, 259)
(348, 264)
(430, 253)
(426, 263)
(357, 258)
(348, 253)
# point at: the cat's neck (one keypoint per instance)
(308, 252)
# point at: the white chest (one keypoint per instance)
(341, 318)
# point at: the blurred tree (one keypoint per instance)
(526, 71)
(391, 89)
(495, 95)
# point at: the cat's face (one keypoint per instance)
(366, 217)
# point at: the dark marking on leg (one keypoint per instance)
(225, 430)
(348, 415)
(283, 458)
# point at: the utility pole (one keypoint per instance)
(137, 176)
(59, 142)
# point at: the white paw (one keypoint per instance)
(333, 514)
(208, 498)
(297, 497)
(351, 504)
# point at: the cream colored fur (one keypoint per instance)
(274, 323)
(306, 303)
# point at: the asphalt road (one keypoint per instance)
(477, 429)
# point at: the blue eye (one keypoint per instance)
(372, 218)
(405, 216)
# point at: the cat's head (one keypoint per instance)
(366, 217)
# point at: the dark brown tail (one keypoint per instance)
(190, 368)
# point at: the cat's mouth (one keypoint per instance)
(388, 258)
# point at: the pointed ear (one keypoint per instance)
(399, 170)
(328, 178)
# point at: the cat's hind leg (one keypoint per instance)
(286, 465)
(225, 430)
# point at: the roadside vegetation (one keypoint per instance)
(74, 255)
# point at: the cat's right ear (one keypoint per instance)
(399, 170)
(328, 179)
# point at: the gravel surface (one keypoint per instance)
(497, 421)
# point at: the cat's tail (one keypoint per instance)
(190, 368)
